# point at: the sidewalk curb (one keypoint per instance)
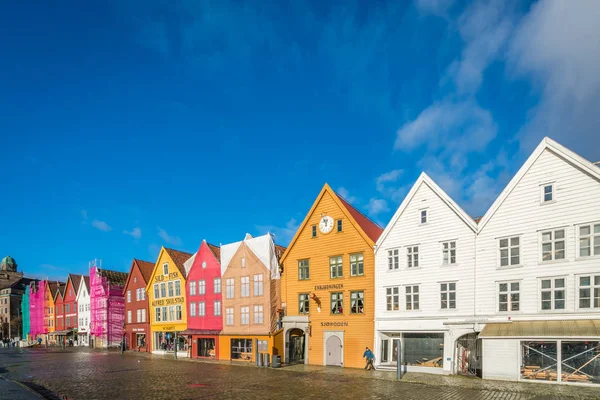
(24, 387)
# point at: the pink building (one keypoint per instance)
(36, 309)
(107, 306)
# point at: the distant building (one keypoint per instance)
(12, 288)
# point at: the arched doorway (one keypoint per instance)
(468, 355)
(296, 340)
(333, 351)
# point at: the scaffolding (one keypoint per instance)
(107, 306)
(25, 314)
(36, 308)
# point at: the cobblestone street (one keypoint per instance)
(85, 374)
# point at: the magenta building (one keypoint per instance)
(107, 306)
(36, 309)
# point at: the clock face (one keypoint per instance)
(326, 224)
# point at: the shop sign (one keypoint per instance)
(168, 302)
(170, 276)
(334, 323)
(138, 330)
(167, 328)
(328, 287)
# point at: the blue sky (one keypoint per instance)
(128, 125)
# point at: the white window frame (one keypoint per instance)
(192, 288)
(552, 289)
(128, 316)
(509, 292)
(138, 315)
(509, 248)
(244, 315)
(137, 294)
(423, 216)
(552, 241)
(143, 315)
(229, 317)
(217, 285)
(448, 247)
(201, 308)
(201, 287)
(129, 296)
(393, 259)
(594, 291)
(258, 285)
(192, 309)
(392, 299)
(409, 295)
(412, 256)
(230, 286)
(142, 294)
(448, 291)
(543, 193)
(593, 236)
(245, 286)
(217, 308)
(258, 314)
(157, 314)
(165, 268)
(177, 288)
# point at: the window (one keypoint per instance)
(201, 309)
(357, 302)
(335, 267)
(553, 245)
(547, 193)
(142, 294)
(314, 231)
(303, 269)
(448, 295)
(553, 294)
(217, 285)
(164, 313)
(143, 316)
(192, 288)
(179, 311)
(230, 288)
(449, 253)
(589, 291)
(245, 315)
(229, 316)
(303, 303)
(137, 295)
(418, 347)
(423, 216)
(412, 297)
(392, 297)
(170, 285)
(163, 290)
(258, 314)
(134, 279)
(337, 300)
(156, 293)
(243, 262)
(393, 260)
(241, 349)
(508, 296)
(157, 312)
(138, 316)
(192, 309)
(258, 284)
(339, 225)
(177, 288)
(171, 313)
(509, 251)
(589, 240)
(412, 255)
(357, 265)
(245, 286)
(217, 308)
(202, 287)
(166, 269)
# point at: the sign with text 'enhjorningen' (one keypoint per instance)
(329, 287)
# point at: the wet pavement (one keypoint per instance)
(88, 374)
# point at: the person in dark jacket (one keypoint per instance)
(368, 354)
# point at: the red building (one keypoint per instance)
(70, 306)
(137, 319)
(203, 294)
(59, 314)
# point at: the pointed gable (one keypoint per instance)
(146, 268)
(179, 258)
(75, 282)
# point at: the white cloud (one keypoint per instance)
(101, 225)
(283, 235)
(135, 233)
(377, 206)
(172, 240)
(556, 45)
(346, 195)
(388, 177)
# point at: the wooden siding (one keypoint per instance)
(136, 281)
(358, 333)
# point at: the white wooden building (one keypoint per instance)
(526, 277)
(83, 311)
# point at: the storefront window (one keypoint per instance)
(141, 340)
(539, 360)
(385, 349)
(241, 349)
(580, 361)
(206, 347)
(424, 349)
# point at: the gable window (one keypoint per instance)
(553, 245)
(245, 286)
(335, 267)
(163, 290)
(166, 269)
(230, 286)
(547, 193)
(392, 297)
(357, 264)
(589, 240)
(589, 291)
(157, 314)
(339, 225)
(201, 286)
(142, 294)
(412, 256)
(229, 316)
(138, 294)
(508, 296)
(134, 279)
(177, 288)
(217, 285)
(393, 259)
(243, 262)
(201, 309)
(192, 309)
(217, 309)
(170, 286)
(192, 288)
(129, 296)
(245, 315)
(337, 300)
(449, 253)
(303, 269)
(509, 251)
(553, 294)
(448, 295)
(314, 231)
(357, 302)
(423, 216)
(258, 314)
(412, 297)
(258, 284)
(303, 303)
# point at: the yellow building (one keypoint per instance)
(167, 302)
(328, 285)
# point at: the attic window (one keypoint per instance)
(134, 279)
(166, 269)
(547, 192)
(243, 262)
(203, 264)
(314, 231)
(339, 225)
(423, 216)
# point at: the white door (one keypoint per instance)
(333, 355)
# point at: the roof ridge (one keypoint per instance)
(347, 203)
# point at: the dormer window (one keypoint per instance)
(423, 217)
(547, 193)
(166, 269)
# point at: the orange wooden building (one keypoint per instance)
(328, 285)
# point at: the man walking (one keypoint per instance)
(368, 354)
